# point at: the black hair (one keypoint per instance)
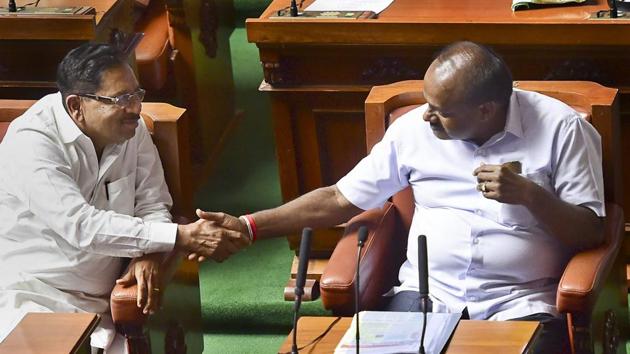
(81, 69)
(487, 77)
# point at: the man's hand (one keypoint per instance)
(210, 239)
(144, 271)
(500, 183)
(226, 221)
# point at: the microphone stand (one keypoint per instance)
(363, 232)
(12, 6)
(305, 246)
(423, 286)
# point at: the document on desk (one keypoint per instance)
(525, 4)
(349, 5)
(398, 332)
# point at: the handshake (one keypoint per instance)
(214, 235)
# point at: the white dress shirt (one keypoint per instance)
(491, 257)
(66, 218)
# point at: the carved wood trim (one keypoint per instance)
(389, 70)
(279, 72)
(579, 70)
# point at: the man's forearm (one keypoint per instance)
(323, 207)
(576, 226)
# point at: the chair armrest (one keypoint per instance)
(382, 256)
(587, 270)
(123, 300)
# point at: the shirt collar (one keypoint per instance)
(68, 129)
(513, 121)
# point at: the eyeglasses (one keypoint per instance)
(125, 100)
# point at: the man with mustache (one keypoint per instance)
(82, 188)
(483, 220)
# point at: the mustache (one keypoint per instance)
(436, 126)
(131, 117)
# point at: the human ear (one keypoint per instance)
(73, 103)
(488, 110)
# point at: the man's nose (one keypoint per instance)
(134, 107)
(428, 116)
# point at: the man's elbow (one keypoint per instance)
(595, 236)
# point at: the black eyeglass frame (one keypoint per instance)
(121, 100)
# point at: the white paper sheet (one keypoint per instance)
(398, 332)
(349, 5)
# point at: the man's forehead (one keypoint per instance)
(118, 80)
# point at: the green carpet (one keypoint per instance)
(243, 309)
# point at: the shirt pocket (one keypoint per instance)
(518, 216)
(122, 194)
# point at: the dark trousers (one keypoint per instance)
(553, 339)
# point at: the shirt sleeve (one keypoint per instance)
(376, 177)
(153, 200)
(44, 182)
(578, 177)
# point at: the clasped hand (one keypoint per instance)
(500, 183)
(144, 271)
(214, 235)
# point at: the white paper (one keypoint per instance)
(349, 5)
(398, 332)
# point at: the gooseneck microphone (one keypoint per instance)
(423, 286)
(305, 249)
(363, 234)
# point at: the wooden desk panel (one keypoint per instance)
(319, 72)
(51, 333)
(31, 47)
(470, 337)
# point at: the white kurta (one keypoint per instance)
(490, 257)
(66, 219)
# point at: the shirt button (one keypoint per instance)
(478, 212)
(475, 240)
(472, 298)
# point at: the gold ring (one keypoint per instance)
(482, 187)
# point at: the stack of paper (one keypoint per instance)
(398, 332)
(375, 6)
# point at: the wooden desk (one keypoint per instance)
(319, 72)
(31, 46)
(51, 333)
(470, 337)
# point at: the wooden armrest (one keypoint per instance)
(586, 271)
(382, 256)
(123, 300)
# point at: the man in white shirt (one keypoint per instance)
(483, 220)
(82, 188)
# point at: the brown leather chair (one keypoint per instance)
(581, 288)
(179, 319)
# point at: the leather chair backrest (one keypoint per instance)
(564, 91)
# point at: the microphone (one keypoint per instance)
(12, 6)
(293, 10)
(363, 234)
(423, 286)
(305, 248)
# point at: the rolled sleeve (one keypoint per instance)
(579, 178)
(376, 177)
